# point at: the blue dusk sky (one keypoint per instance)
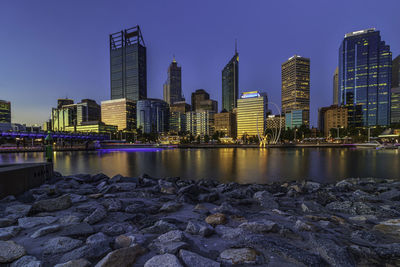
(54, 49)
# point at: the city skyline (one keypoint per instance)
(58, 74)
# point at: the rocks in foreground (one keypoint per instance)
(86, 220)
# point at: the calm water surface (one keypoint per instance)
(243, 165)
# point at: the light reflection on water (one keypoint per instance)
(228, 164)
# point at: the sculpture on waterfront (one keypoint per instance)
(273, 137)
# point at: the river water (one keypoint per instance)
(243, 165)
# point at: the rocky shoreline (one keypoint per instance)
(85, 220)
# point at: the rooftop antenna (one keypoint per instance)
(173, 60)
(235, 46)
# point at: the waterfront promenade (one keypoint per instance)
(92, 220)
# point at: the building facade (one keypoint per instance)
(336, 87)
(63, 117)
(181, 106)
(275, 122)
(208, 105)
(396, 72)
(198, 96)
(230, 83)
(251, 114)
(88, 110)
(191, 122)
(365, 73)
(177, 119)
(225, 122)
(128, 65)
(395, 105)
(5, 111)
(173, 85)
(294, 118)
(120, 113)
(295, 92)
(152, 115)
(92, 127)
(334, 117)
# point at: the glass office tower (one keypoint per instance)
(119, 112)
(5, 111)
(152, 115)
(128, 65)
(173, 85)
(296, 86)
(365, 70)
(230, 83)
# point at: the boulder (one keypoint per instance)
(60, 203)
(166, 260)
(60, 245)
(30, 222)
(112, 204)
(192, 259)
(77, 229)
(229, 232)
(4, 222)
(75, 263)
(10, 251)
(170, 206)
(199, 228)
(18, 211)
(26, 261)
(159, 227)
(266, 200)
(235, 256)
(97, 215)
(390, 227)
(9, 232)
(216, 219)
(121, 257)
(264, 226)
(46, 230)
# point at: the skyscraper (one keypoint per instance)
(152, 115)
(296, 87)
(336, 86)
(251, 114)
(230, 83)
(173, 85)
(128, 65)
(396, 72)
(5, 111)
(198, 96)
(365, 72)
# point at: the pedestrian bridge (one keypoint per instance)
(56, 135)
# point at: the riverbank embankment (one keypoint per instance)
(86, 220)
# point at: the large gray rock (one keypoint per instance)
(335, 255)
(166, 260)
(78, 229)
(54, 204)
(199, 228)
(171, 236)
(75, 263)
(30, 222)
(60, 245)
(26, 261)
(69, 219)
(235, 256)
(170, 242)
(4, 222)
(171, 206)
(10, 251)
(112, 204)
(228, 232)
(264, 226)
(18, 211)
(392, 194)
(266, 200)
(121, 257)
(9, 232)
(193, 259)
(98, 214)
(159, 227)
(46, 230)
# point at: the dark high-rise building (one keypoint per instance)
(296, 87)
(5, 111)
(396, 72)
(152, 115)
(197, 97)
(173, 85)
(63, 102)
(128, 65)
(88, 110)
(230, 83)
(336, 86)
(365, 77)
